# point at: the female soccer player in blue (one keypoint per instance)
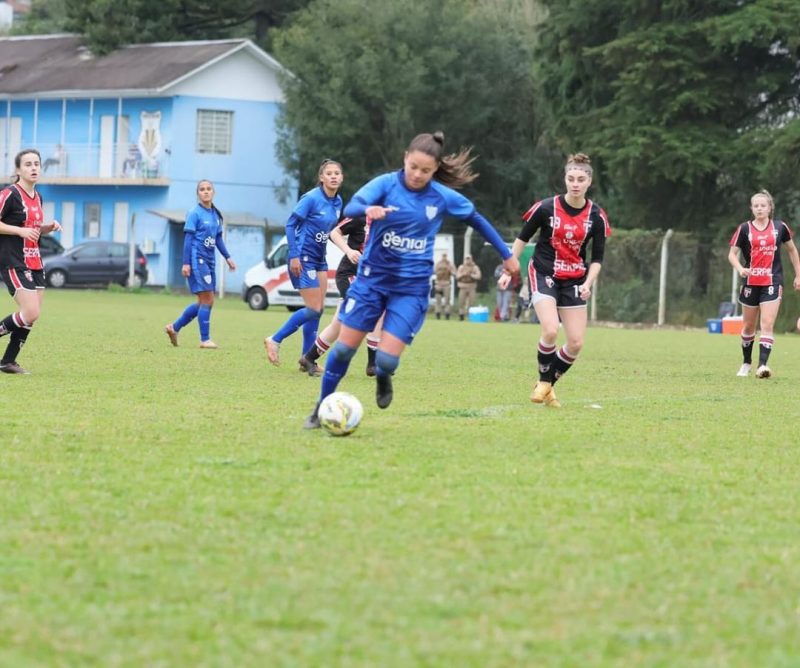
(307, 230)
(407, 209)
(202, 233)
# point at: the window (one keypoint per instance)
(91, 220)
(214, 131)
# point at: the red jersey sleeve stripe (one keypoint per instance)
(529, 213)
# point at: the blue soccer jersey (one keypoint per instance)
(307, 229)
(205, 225)
(401, 245)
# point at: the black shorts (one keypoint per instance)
(22, 279)
(565, 293)
(343, 281)
(753, 295)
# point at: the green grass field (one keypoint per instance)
(162, 506)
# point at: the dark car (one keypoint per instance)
(94, 263)
(49, 246)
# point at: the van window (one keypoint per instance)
(278, 258)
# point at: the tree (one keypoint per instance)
(107, 24)
(682, 102)
(364, 83)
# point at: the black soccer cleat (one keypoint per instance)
(311, 368)
(384, 392)
(13, 367)
(312, 421)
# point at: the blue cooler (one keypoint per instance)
(478, 314)
(714, 325)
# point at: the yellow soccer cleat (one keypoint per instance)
(541, 391)
(551, 401)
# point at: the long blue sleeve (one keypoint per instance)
(484, 227)
(187, 247)
(221, 245)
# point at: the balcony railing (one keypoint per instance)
(112, 164)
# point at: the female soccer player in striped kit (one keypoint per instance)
(406, 209)
(21, 268)
(759, 241)
(560, 283)
(202, 235)
(314, 216)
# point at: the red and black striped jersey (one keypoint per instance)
(761, 250)
(356, 230)
(564, 234)
(20, 209)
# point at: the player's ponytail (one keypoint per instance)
(455, 170)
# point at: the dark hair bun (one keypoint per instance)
(438, 137)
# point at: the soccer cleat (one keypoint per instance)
(744, 370)
(172, 334)
(13, 367)
(273, 351)
(311, 368)
(209, 345)
(551, 401)
(384, 392)
(312, 421)
(541, 391)
(763, 371)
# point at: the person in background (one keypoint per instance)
(504, 294)
(313, 218)
(202, 234)
(467, 277)
(443, 271)
(21, 268)
(759, 241)
(560, 282)
(407, 209)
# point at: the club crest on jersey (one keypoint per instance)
(747, 292)
(312, 274)
(350, 305)
(207, 279)
(549, 281)
(431, 211)
(28, 275)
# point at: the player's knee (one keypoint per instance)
(342, 352)
(312, 314)
(574, 346)
(30, 315)
(386, 362)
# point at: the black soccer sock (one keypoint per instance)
(371, 356)
(11, 323)
(313, 354)
(747, 348)
(546, 355)
(764, 349)
(18, 338)
(563, 363)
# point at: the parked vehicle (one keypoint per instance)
(49, 246)
(95, 263)
(268, 282)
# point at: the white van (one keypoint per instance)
(268, 282)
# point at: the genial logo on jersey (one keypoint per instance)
(321, 237)
(209, 242)
(404, 244)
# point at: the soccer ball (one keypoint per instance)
(340, 413)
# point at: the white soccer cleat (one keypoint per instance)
(763, 371)
(744, 370)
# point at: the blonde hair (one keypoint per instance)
(579, 161)
(764, 193)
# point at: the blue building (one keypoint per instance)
(126, 137)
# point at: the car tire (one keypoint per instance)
(56, 278)
(257, 299)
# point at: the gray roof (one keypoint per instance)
(61, 64)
